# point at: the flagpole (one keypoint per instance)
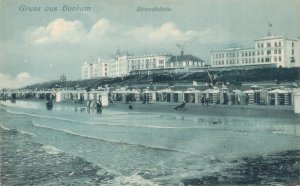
(269, 29)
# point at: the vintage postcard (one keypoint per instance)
(152, 92)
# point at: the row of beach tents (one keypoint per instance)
(214, 95)
(277, 96)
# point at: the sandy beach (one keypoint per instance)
(213, 110)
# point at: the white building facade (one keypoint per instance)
(86, 71)
(123, 65)
(269, 51)
(148, 62)
(98, 69)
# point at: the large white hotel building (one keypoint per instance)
(269, 51)
(123, 65)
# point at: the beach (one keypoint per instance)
(153, 144)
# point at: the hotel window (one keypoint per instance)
(258, 45)
(242, 54)
(292, 44)
(262, 52)
(222, 62)
(258, 60)
(267, 59)
(245, 53)
(262, 45)
(279, 51)
(253, 60)
(275, 59)
(237, 61)
(275, 44)
(279, 43)
(253, 53)
(262, 60)
(242, 61)
(292, 60)
(249, 53)
(268, 44)
(268, 52)
(279, 58)
(292, 51)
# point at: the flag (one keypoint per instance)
(270, 24)
(178, 45)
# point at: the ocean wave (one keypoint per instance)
(21, 104)
(107, 124)
(21, 132)
(114, 141)
(134, 179)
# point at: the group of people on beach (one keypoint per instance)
(92, 106)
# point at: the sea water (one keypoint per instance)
(128, 147)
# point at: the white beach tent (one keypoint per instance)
(164, 95)
(177, 96)
(213, 95)
(151, 95)
(280, 97)
(191, 95)
(249, 96)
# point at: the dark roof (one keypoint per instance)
(182, 58)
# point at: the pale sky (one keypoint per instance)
(40, 45)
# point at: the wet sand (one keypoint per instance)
(214, 110)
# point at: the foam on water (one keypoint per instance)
(51, 150)
(27, 133)
(4, 128)
(132, 180)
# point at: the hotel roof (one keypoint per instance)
(182, 58)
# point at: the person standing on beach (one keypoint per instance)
(202, 100)
(206, 101)
(99, 107)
